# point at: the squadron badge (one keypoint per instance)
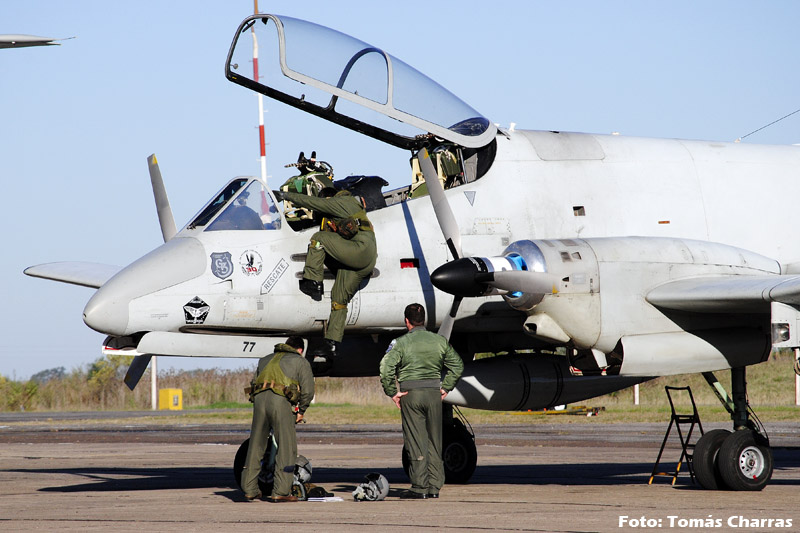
(251, 263)
(196, 311)
(221, 264)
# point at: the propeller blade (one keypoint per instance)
(521, 281)
(165, 218)
(447, 324)
(447, 221)
(136, 370)
(449, 226)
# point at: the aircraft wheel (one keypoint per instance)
(704, 459)
(406, 462)
(745, 461)
(265, 478)
(459, 454)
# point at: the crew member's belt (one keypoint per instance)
(420, 384)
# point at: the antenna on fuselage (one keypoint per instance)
(767, 126)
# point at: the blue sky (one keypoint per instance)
(79, 120)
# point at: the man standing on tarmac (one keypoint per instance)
(416, 360)
(348, 238)
(283, 379)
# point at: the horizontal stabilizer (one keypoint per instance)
(727, 294)
(78, 273)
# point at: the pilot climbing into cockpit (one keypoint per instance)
(347, 241)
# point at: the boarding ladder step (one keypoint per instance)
(679, 420)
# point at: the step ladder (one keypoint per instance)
(678, 420)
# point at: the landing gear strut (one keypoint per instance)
(459, 454)
(741, 460)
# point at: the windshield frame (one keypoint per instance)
(218, 202)
(329, 113)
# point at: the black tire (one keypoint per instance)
(745, 461)
(238, 462)
(264, 478)
(704, 459)
(459, 455)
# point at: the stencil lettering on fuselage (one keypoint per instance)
(274, 276)
(353, 308)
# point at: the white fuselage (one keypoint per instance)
(541, 185)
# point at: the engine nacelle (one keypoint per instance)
(590, 294)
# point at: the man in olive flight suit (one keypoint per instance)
(354, 254)
(416, 361)
(283, 378)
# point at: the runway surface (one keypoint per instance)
(59, 474)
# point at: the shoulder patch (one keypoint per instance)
(391, 345)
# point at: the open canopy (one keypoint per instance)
(348, 82)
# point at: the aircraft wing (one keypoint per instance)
(726, 294)
(78, 273)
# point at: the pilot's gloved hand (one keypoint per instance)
(279, 196)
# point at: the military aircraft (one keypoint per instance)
(23, 41)
(589, 263)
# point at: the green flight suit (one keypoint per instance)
(356, 256)
(416, 361)
(272, 411)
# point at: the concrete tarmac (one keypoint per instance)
(63, 476)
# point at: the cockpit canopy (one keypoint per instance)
(243, 204)
(349, 82)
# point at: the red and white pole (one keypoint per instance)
(261, 136)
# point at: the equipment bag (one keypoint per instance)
(345, 227)
(272, 377)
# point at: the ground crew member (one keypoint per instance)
(416, 361)
(348, 238)
(283, 378)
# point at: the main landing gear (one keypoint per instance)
(738, 460)
(459, 454)
(265, 477)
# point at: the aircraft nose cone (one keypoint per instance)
(106, 313)
(176, 261)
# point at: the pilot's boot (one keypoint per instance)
(329, 348)
(326, 350)
(312, 288)
(321, 357)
